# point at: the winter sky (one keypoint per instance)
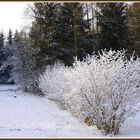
(12, 15)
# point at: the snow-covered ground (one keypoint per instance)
(25, 115)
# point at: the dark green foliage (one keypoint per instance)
(2, 56)
(60, 31)
(41, 33)
(1, 40)
(133, 42)
(16, 37)
(4, 69)
(10, 37)
(71, 30)
(113, 25)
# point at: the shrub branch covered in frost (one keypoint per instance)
(105, 88)
(54, 83)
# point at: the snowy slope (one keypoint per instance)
(131, 127)
(25, 115)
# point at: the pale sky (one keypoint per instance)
(12, 16)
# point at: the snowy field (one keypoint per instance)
(25, 115)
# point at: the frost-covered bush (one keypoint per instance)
(54, 82)
(25, 72)
(104, 89)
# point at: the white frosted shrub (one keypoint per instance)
(54, 82)
(104, 89)
(24, 70)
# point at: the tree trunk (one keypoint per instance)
(75, 36)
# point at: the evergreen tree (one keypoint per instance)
(10, 37)
(134, 28)
(24, 72)
(1, 48)
(42, 30)
(2, 57)
(72, 31)
(1, 40)
(4, 70)
(92, 12)
(113, 25)
(16, 37)
(60, 31)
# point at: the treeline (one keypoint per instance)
(65, 32)
(5, 53)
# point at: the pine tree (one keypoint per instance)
(1, 40)
(113, 25)
(91, 11)
(10, 37)
(72, 31)
(4, 70)
(61, 32)
(42, 31)
(1, 48)
(134, 28)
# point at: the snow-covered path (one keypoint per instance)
(25, 115)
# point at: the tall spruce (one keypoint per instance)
(72, 31)
(134, 28)
(4, 71)
(91, 11)
(113, 25)
(1, 40)
(10, 37)
(60, 30)
(2, 48)
(42, 31)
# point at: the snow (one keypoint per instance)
(132, 127)
(26, 115)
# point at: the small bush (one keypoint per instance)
(104, 88)
(54, 82)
